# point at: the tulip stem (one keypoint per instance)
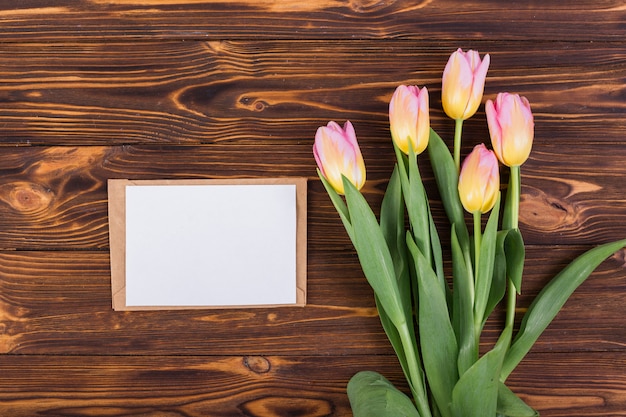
(415, 373)
(458, 128)
(514, 182)
(514, 196)
(477, 239)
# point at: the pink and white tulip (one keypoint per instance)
(479, 180)
(463, 83)
(511, 127)
(337, 154)
(409, 118)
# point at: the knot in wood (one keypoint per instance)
(257, 364)
(548, 212)
(27, 197)
(369, 6)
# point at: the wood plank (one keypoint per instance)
(556, 384)
(66, 20)
(59, 302)
(251, 91)
(565, 385)
(56, 197)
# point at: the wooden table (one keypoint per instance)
(151, 89)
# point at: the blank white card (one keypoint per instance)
(210, 245)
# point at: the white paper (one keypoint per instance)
(210, 245)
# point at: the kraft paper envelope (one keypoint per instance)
(188, 244)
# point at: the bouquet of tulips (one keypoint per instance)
(434, 322)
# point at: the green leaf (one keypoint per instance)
(435, 245)
(550, 300)
(371, 395)
(415, 200)
(510, 405)
(476, 393)
(437, 339)
(417, 207)
(515, 254)
(447, 178)
(394, 338)
(339, 204)
(508, 265)
(393, 228)
(463, 315)
(498, 283)
(484, 272)
(374, 255)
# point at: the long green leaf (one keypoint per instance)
(463, 315)
(393, 228)
(417, 207)
(476, 393)
(437, 339)
(447, 178)
(394, 339)
(372, 395)
(339, 204)
(435, 245)
(510, 405)
(484, 273)
(498, 283)
(374, 255)
(550, 300)
(515, 255)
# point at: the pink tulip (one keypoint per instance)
(511, 127)
(479, 180)
(409, 118)
(337, 154)
(463, 83)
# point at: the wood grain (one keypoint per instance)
(55, 197)
(65, 20)
(256, 386)
(266, 92)
(58, 302)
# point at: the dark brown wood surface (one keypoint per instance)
(93, 90)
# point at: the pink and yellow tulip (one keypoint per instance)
(463, 83)
(409, 118)
(511, 128)
(479, 180)
(337, 154)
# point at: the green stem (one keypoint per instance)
(514, 189)
(477, 242)
(458, 127)
(477, 239)
(511, 300)
(415, 373)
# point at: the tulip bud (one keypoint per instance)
(463, 83)
(511, 128)
(479, 180)
(409, 118)
(337, 154)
